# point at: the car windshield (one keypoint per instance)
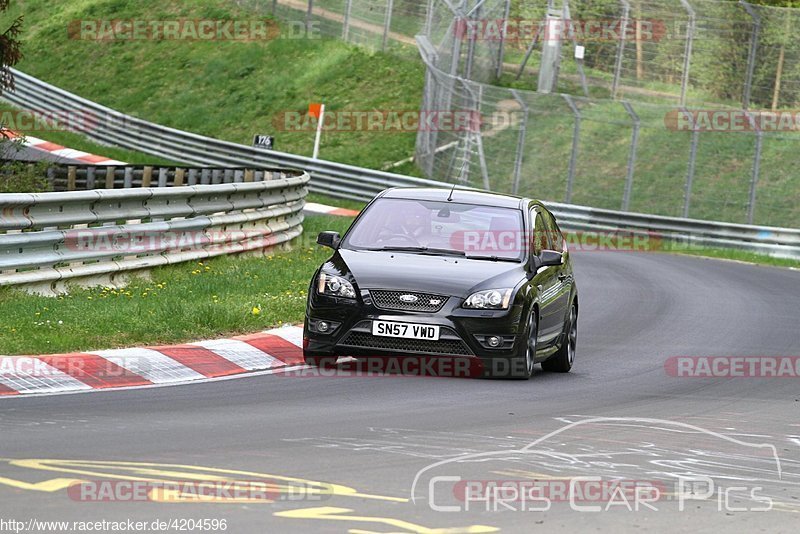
(440, 228)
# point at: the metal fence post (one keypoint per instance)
(274, 6)
(523, 126)
(626, 10)
(687, 191)
(751, 202)
(308, 16)
(428, 19)
(387, 23)
(348, 6)
(751, 55)
(473, 14)
(626, 196)
(502, 49)
(687, 53)
(573, 158)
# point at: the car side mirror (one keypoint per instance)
(550, 257)
(329, 239)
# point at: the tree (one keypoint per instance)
(10, 50)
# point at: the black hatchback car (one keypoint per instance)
(429, 272)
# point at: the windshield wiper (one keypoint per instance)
(493, 258)
(421, 250)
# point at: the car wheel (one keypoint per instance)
(320, 361)
(521, 366)
(561, 361)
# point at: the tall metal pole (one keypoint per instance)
(626, 196)
(520, 142)
(573, 158)
(626, 11)
(387, 23)
(501, 50)
(687, 191)
(751, 55)
(687, 53)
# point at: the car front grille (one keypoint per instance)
(393, 300)
(449, 343)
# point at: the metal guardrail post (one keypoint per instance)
(387, 23)
(626, 196)
(626, 10)
(751, 54)
(573, 158)
(756, 169)
(523, 127)
(687, 53)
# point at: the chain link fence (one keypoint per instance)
(629, 121)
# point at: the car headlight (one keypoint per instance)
(335, 286)
(489, 299)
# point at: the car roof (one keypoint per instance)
(462, 196)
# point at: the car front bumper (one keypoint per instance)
(463, 333)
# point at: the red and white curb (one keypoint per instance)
(62, 151)
(149, 366)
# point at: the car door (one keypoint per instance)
(545, 281)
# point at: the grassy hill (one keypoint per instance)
(233, 90)
(226, 89)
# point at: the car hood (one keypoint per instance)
(444, 275)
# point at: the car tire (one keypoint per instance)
(323, 362)
(520, 367)
(562, 361)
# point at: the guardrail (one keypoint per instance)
(347, 181)
(94, 236)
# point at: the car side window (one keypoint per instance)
(553, 232)
(539, 240)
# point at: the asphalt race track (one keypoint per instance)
(619, 416)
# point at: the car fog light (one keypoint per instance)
(323, 327)
(494, 341)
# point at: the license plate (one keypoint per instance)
(405, 330)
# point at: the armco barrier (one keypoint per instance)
(347, 181)
(91, 236)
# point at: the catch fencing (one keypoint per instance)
(660, 117)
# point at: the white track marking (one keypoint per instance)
(292, 334)
(150, 364)
(32, 375)
(242, 354)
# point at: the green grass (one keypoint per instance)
(225, 89)
(233, 90)
(737, 255)
(192, 301)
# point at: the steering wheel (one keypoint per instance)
(400, 237)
